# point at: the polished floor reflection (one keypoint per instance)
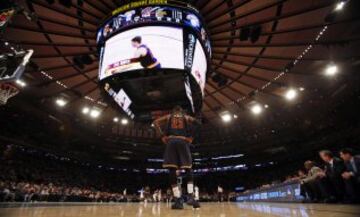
(207, 210)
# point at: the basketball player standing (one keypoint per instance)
(177, 153)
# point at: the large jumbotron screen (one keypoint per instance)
(162, 44)
(145, 37)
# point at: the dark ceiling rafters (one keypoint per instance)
(105, 13)
(278, 12)
(85, 94)
(111, 8)
(57, 44)
(297, 44)
(42, 56)
(244, 15)
(294, 29)
(67, 76)
(64, 11)
(50, 40)
(278, 17)
(230, 9)
(200, 4)
(242, 63)
(220, 104)
(278, 83)
(51, 68)
(30, 5)
(270, 56)
(229, 4)
(239, 105)
(80, 9)
(58, 22)
(51, 32)
(211, 10)
(72, 88)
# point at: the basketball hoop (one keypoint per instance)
(7, 91)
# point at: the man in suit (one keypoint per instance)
(352, 174)
(334, 168)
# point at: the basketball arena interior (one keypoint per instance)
(214, 108)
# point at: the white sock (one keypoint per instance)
(176, 192)
(190, 188)
(196, 193)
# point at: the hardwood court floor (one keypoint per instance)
(162, 210)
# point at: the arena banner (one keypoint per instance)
(124, 101)
(199, 66)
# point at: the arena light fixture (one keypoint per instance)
(61, 102)
(266, 106)
(85, 110)
(226, 117)
(301, 89)
(331, 70)
(95, 113)
(116, 119)
(291, 94)
(124, 121)
(256, 109)
(339, 6)
(21, 83)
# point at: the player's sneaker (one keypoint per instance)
(178, 204)
(192, 202)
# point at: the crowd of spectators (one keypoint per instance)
(29, 192)
(337, 181)
(28, 175)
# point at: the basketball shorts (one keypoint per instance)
(177, 154)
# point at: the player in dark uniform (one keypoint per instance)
(144, 55)
(177, 137)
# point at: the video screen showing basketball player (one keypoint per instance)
(144, 55)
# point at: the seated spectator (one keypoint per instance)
(334, 168)
(301, 174)
(352, 174)
(312, 186)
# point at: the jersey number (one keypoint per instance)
(177, 123)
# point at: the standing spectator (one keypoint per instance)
(352, 174)
(334, 168)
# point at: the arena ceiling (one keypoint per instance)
(297, 41)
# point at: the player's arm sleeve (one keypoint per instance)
(140, 52)
(313, 176)
(157, 123)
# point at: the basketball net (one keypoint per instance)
(7, 91)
